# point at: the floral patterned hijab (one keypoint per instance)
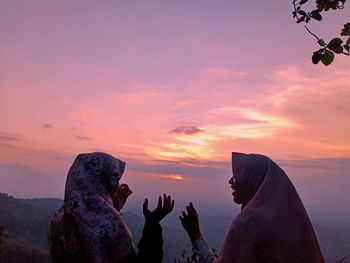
(87, 224)
(273, 225)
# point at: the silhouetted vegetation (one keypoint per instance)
(335, 46)
(1, 234)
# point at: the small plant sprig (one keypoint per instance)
(328, 50)
(194, 258)
(185, 258)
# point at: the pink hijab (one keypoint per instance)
(273, 225)
(87, 228)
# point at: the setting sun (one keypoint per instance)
(175, 176)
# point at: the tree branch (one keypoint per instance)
(295, 9)
(308, 30)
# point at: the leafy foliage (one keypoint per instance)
(336, 46)
(1, 234)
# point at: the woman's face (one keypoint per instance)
(237, 194)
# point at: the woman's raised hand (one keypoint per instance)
(121, 195)
(190, 222)
(164, 207)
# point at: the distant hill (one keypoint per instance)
(26, 222)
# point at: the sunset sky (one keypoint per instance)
(172, 88)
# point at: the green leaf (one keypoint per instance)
(316, 57)
(301, 19)
(315, 14)
(346, 30)
(335, 42)
(320, 4)
(347, 47)
(327, 58)
(335, 45)
(338, 49)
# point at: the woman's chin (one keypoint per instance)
(237, 201)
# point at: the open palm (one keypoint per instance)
(164, 207)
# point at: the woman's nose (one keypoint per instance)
(231, 180)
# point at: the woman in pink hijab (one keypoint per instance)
(272, 226)
(89, 227)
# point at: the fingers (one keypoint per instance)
(168, 204)
(185, 220)
(159, 205)
(194, 211)
(124, 191)
(189, 212)
(145, 208)
(124, 187)
(190, 222)
(164, 207)
(182, 220)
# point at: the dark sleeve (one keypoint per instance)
(151, 244)
(130, 258)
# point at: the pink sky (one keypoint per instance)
(172, 88)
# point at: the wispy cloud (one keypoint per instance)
(47, 126)
(291, 86)
(8, 138)
(186, 130)
(82, 138)
(317, 102)
(220, 129)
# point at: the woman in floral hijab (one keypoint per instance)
(89, 228)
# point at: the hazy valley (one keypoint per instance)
(26, 222)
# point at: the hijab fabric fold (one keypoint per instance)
(273, 225)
